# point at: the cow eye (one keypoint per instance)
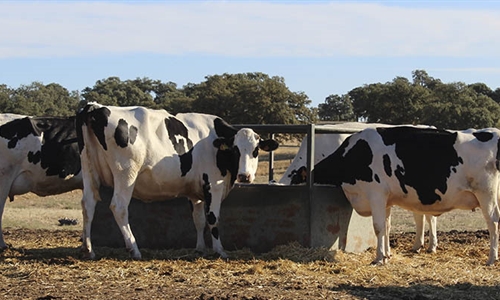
(255, 152)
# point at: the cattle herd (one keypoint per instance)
(152, 155)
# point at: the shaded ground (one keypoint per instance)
(45, 264)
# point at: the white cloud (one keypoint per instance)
(251, 29)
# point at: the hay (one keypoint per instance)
(46, 265)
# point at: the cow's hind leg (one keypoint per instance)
(199, 223)
(89, 201)
(119, 206)
(3, 199)
(491, 215)
(379, 216)
(387, 244)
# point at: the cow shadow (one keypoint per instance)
(420, 291)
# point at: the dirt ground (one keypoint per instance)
(45, 264)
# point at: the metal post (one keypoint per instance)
(310, 158)
(271, 162)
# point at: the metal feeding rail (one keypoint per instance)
(310, 130)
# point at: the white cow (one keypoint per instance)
(428, 171)
(39, 155)
(325, 144)
(152, 155)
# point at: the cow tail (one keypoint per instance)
(83, 118)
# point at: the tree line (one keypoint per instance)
(257, 98)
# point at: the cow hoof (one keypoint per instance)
(88, 256)
(431, 250)
(416, 249)
(135, 255)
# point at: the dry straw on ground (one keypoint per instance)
(45, 265)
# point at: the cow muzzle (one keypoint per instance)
(244, 178)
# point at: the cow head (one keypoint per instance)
(238, 151)
(298, 176)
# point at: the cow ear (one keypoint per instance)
(221, 144)
(268, 145)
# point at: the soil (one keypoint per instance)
(45, 264)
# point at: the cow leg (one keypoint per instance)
(213, 212)
(432, 221)
(419, 237)
(491, 214)
(89, 202)
(119, 206)
(379, 226)
(3, 199)
(199, 223)
(387, 244)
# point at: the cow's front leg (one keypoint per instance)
(419, 236)
(433, 242)
(213, 213)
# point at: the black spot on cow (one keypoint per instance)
(125, 134)
(255, 152)
(223, 129)
(215, 232)
(16, 130)
(207, 196)
(483, 136)
(178, 134)
(59, 154)
(211, 219)
(186, 160)
(228, 156)
(377, 179)
(132, 134)
(338, 167)
(399, 173)
(427, 156)
(121, 133)
(97, 119)
(34, 158)
(387, 165)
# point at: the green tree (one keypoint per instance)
(37, 99)
(336, 108)
(172, 99)
(250, 98)
(458, 106)
(113, 91)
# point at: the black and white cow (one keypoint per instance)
(39, 155)
(424, 170)
(324, 145)
(152, 155)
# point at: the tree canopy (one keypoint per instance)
(424, 100)
(257, 98)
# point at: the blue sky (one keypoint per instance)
(318, 47)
